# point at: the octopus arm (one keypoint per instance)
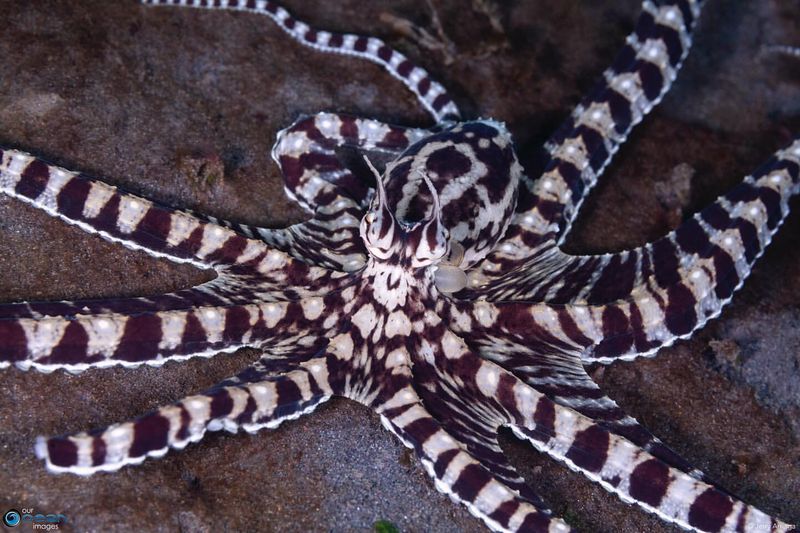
(633, 474)
(667, 289)
(198, 322)
(140, 224)
(561, 376)
(467, 464)
(428, 92)
(715, 249)
(258, 398)
(637, 80)
(691, 274)
(452, 405)
(583, 146)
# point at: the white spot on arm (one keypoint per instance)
(397, 323)
(365, 319)
(173, 324)
(181, 227)
(213, 239)
(213, 323)
(98, 197)
(312, 308)
(452, 346)
(487, 378)
(273, 313)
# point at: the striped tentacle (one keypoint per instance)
(609, 277)
(139, 332)
(633, 474)
(253, 400)
(466, 478)
(721, 242)
(620, 466)
(385, 361)
(692, 273)
(527, 345)
(140, 224)
(451, 401)
(213, 293)
(685, 278)
(637, 80)
(583, 146)
(430, 94)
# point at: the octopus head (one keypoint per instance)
(422, 244)
(416, 245)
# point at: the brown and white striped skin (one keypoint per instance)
(336, 196)
(141, 224)
(727, 237)
(354, 302)
(138, 334)
(684, 279)
(254, 400)
(522, 342)
(430, 93)
(585, 143)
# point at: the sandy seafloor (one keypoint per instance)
(158, 100)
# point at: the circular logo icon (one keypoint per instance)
(12, 518)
